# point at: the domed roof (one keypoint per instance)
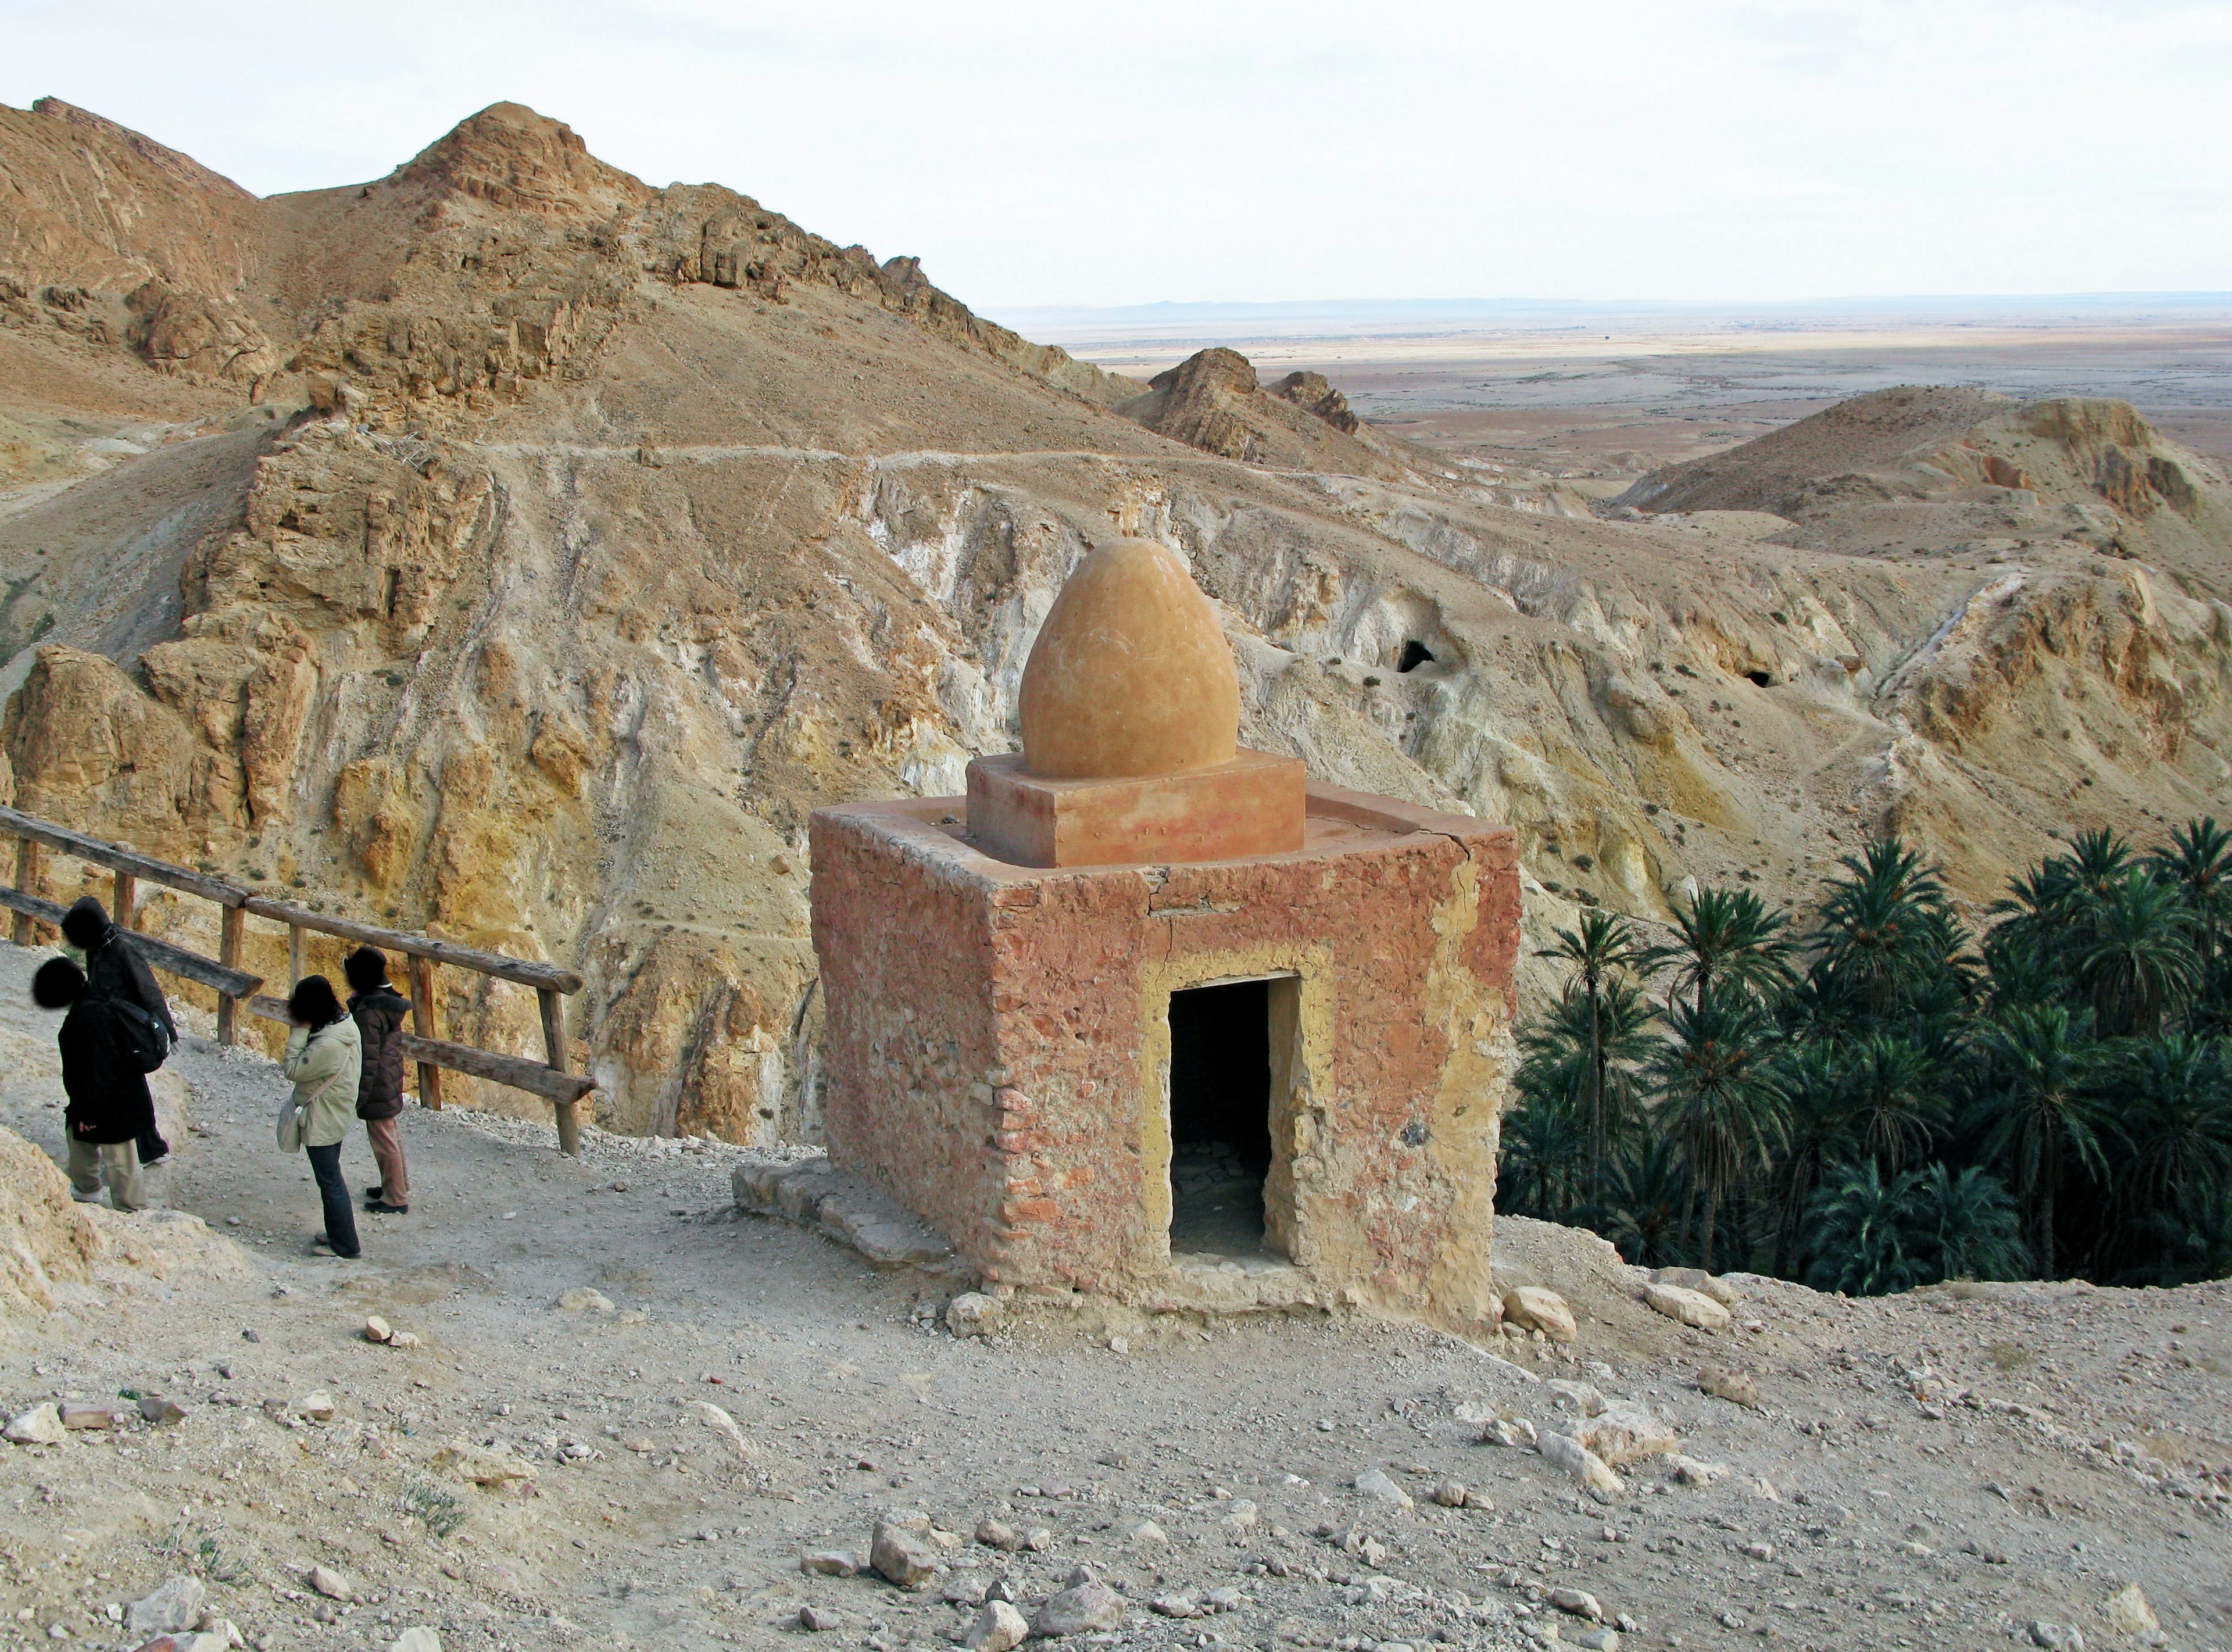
(1131, 674)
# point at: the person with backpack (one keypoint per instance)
(115, 972)
(109, 1108)
(324, 1060)
(378, 1011)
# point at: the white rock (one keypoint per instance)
(417, 1638)
(2129, 1613)
(1079, 1610)
(1451, 1493)
(1538, 1309)
(1584, 1465)
(316, 1406)
(1626, 1430)
(1173, 1606)
(998, 1627)
(1695, 1279)
(1691, 1472)
(2057, 1638)
(1578, 1396)
(1509, 1431)
(1148, 1531)
(177, 1606)
(1692, 1308)
(1598, 1638)
(377, 1329)
(40, 1426)
(972, 1314)
(331, 1583)
(582, 1300)
(480, 1465)
(1241, 1514)
(1577, 1602)
(832, 1563)
(1374, 1483)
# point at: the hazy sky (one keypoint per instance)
(1043, 153)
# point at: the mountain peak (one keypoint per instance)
(511, 155)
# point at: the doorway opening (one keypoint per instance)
(1221, 1094)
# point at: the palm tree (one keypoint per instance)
(1859, 1234)
(1643, 1213)
(2138, 963)
(1725, 935)
(1966, 1227)
(2191, 1243)
(2180, 1091)
(1891, 1102)
(1722, 1103)
(2037, 1101)
(2096, 862)
(1886, 924)
(1820, 1135)
(1602, 946)
(2198, 864)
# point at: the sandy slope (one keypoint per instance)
(664, 1535)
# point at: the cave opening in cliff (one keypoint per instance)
(1761, 679)
(1415, 654)
(1221, 1096)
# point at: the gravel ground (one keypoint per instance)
(1966, 1466)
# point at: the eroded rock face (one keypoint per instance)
(492, 628)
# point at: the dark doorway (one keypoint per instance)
(1415, 654)
(1220, 1116)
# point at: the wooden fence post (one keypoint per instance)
(422, 1022)
(27, 880)
(553, 1046)
(125, 908)
(231, 921)
(294, 956)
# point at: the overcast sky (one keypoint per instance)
(1049, 154)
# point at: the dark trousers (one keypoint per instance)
(333, 1192)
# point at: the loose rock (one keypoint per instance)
(1509, 1431)
(1577, 1602)
(331, 1583)
(1079, 1610)
(2129, 1613)
(417, 1638)
(1625, 1431)
(972, 1314)
(998, 1627)
(1692, 1308)
(316, 1406)
(1584, 1465)
(1451, 1493)
(175, 1607)
(162, 1412)
(1738, 1388)
(1537, 1309)
(40, 1426)
(903, 1557)
(377, 1329)
(993, 1534)
(1374, 1483)
(818, 1617)
(831, 1563)
(582, 1300)
(77, 1415)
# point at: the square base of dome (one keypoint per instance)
(1253, 804)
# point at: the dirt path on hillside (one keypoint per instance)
(1955, 1518)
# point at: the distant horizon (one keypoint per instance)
(1487, 308)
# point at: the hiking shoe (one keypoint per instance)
(373, 1194)
(323, 1246)
(382, 1208)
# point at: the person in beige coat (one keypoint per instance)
(324, 1058)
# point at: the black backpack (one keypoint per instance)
(140, 1034)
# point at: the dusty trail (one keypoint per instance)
(1897, 1520)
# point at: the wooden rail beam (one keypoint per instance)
(103, 853)
(516, 1071)
(170, 960)
(526, 972)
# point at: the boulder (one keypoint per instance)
(1722, 1382)
(998, 1627)
(1374, 1483)
(2128, 1612)
(1079, 1609)
(1534, 1308)
(1625, 1431)
(1692, 1308)
(172, 1610)
(41, 1425)
(1695, 1279)
(903, 1555)
(973, 1314)
(1588, 1469)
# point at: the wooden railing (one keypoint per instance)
(235, 988)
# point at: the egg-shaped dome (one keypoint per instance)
(1131, 674)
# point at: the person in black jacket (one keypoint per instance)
(114, 969)
(380, 1011)
(109, 1107)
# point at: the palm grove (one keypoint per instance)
(1870, 1097)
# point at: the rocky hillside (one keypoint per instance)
(509, 548)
